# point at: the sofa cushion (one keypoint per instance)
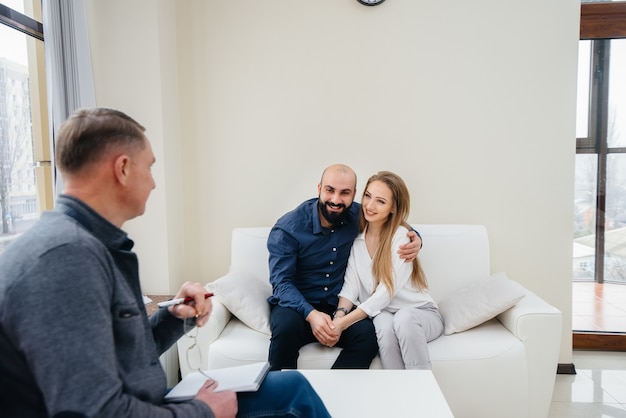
(246, 298)
(228, 350)
(483, 342)
(237, 345)
(478, 302)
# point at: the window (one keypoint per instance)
(601, 163)
(600, 196)
(25, 172)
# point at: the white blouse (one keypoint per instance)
(359, 281)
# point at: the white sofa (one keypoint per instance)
(503, 367)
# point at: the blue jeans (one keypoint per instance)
(282, 394)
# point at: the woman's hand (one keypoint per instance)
(323, 328)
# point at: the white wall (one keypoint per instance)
(473, 103)
(133, 46)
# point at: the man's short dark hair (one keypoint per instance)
(88, 134)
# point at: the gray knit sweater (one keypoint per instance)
(74, 335)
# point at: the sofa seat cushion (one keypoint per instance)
(228, 350)
(489, 340)
(238, 345)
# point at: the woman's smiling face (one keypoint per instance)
(377, 202)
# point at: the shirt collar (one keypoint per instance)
(110, 235)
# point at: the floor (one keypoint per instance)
(599, 307)
(597, 390)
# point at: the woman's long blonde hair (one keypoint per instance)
(382, 267)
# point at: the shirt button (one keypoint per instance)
(328, 275)
(334, 249)
(325, 288)
(332, 262)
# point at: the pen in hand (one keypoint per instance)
(178, 301)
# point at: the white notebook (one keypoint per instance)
(246, 378)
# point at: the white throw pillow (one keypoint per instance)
(246, 298)
(479, 302)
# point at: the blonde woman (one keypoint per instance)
(380, 285)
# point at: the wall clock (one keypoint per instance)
(370, 2)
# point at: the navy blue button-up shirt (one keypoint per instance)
(307, 262)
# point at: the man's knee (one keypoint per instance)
(284, 321)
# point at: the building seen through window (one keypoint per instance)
(20, 147)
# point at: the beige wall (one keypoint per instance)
(473, 103)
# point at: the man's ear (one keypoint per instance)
(122, 168)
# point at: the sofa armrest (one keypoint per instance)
(538, 325)
(220, 316)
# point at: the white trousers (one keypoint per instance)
(402, 336)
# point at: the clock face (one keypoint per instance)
(370, 2)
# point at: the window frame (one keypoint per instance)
(603, 20)
(600, 22)
(21, 22)
(33, 30)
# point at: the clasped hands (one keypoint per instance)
(324, 329)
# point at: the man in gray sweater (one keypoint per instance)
(75, 339)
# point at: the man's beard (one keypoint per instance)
(332, 217)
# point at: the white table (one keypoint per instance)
(379, 393)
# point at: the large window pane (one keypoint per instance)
(18, 189)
